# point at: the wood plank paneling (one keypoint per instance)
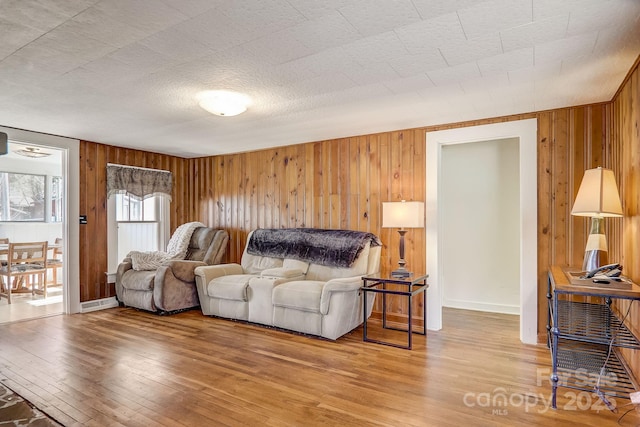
(625, 153)
(93, 203)
(347, 179)
(339, 183)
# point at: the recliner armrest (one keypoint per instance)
(209, 272)
(343, 284)
(183, 269)
(124, 266)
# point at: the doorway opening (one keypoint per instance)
(480, 226)
(525, 133)
(46, 218)
(31, 198)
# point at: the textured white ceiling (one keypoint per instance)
(126, 72)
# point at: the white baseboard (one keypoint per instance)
(482, 306)
(98, 304)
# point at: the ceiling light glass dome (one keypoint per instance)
(223, 102)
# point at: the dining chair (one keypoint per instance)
(4, 250)
(25, 259)
(55, 262)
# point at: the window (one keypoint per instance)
(57, 203)
(137, 211)
(26, 197)
(22, 197)
(132, 208)
(138, 223)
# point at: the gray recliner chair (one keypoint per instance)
(171, 287)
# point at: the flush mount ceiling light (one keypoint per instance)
(223, 102)
(33, 152)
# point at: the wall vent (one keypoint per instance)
(99, 304)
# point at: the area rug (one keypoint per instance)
(15, 411)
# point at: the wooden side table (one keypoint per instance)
(415, 284)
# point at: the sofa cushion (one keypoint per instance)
(139, 280)
(359, 268)
(301, 295)
(233, 287)
(253, 264)
(294, 264)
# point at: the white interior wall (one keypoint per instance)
(480, 226)
(31, 231)
(526, 132)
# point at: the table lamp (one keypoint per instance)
(597, 198)
(402, 215)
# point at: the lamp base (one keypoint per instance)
(596, 252)
(594, 258)
(401, 273)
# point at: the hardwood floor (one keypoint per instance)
(125, 367)
(27, 306)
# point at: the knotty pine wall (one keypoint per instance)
(626, 135)
(93, 203)
(342, 183)
(330, 184)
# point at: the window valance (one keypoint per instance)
(140, 182)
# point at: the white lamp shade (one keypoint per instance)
(403, 214)
(598, 194)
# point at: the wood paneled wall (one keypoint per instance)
(626, 133)
(93, 203)
(341, 184)
(330, 184)
(570, 141)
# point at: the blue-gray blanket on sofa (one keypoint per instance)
(334, 248)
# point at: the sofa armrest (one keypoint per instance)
(343, 284)
(209, 272)
(184, 269)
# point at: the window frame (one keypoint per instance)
(163, 217)
(45, 197)
(56, 198)
(131, 202)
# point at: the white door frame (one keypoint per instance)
(526, 131)
(71, 231)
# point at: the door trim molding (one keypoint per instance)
(527, 133)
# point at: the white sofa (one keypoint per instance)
(295, 292)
